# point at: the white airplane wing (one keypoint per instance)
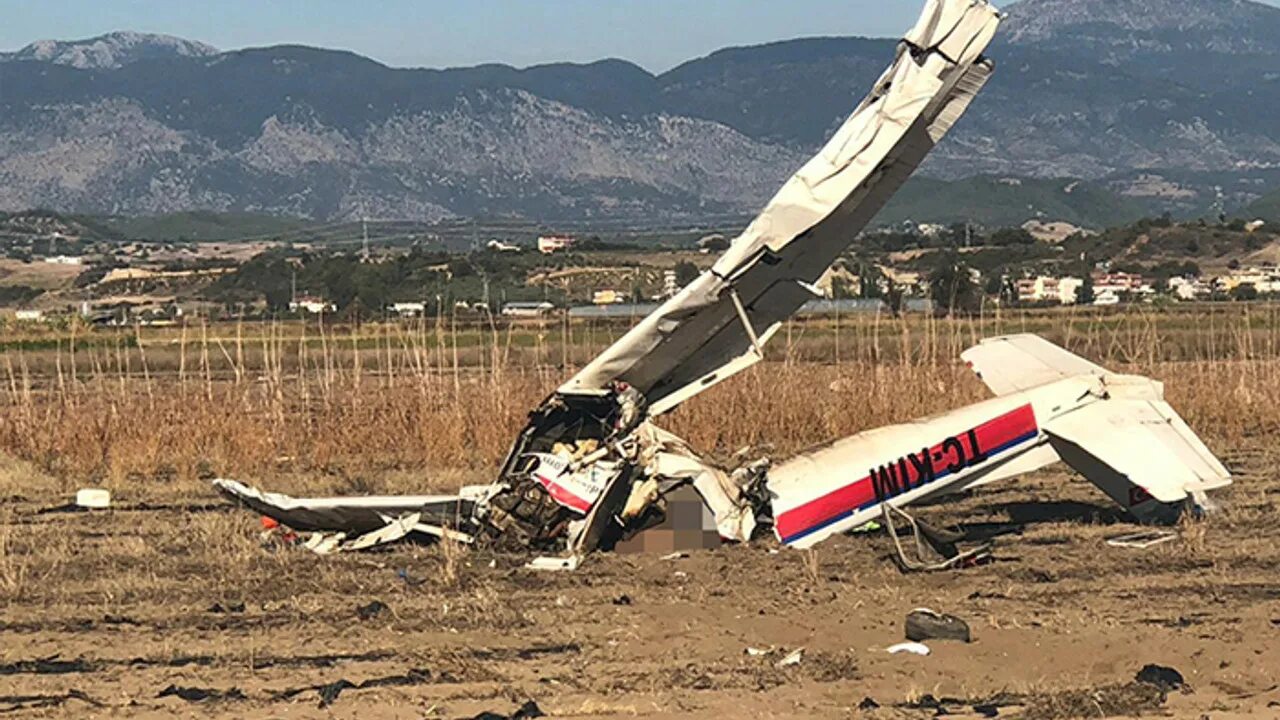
(349, 514)
(1015, 363)
(717, 325)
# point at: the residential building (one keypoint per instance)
(29, 315)
(669, 284)
(607, 297)
(1064, 291)
(1118, 283)
(1189, 288)
(908, 281)
(1265, 279)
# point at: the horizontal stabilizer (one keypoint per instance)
(1015, 363)
(1137, 451)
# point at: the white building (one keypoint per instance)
(29, 315)
(1265, 279)
(548, 244)
(607, 297)
(930, 230)
(669, 285)
(64, 260)
(312, 305)
(1187, 289)
(1120, 283)
(1064, 291)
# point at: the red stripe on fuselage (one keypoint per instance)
(948, 457)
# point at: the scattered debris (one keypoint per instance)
(198, 694)
(529, 709)
(926, 624)
(329, 692)
(868, 704)
(985, 707)
(15, 703)
(756, 652)
(47, 666)
(220, 609)
(403, 574)
(372, 610)
(914, 648)
(119, 620)
(622, 600)
(93, 498)
(1165, 678)
(1143, 539)
(791, 658)
(555, 563)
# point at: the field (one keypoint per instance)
(142, 610)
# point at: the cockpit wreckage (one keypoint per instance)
(592, 468)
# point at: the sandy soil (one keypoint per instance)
(122, 613)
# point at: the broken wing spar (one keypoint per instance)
(717, 326)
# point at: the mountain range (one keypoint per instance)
(1158, 105)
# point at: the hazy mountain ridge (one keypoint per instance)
(1106, 90)
(112, 50)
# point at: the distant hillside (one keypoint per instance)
(1009, 202)
(112, 50)
(1267, 208)
(1166, 103)
(202, 226)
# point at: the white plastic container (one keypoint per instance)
(93, 498)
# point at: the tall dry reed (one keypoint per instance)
(437, 395)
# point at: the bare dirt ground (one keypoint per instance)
(169, 606)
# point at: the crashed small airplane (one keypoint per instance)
(592, 468)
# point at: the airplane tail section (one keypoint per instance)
(1129, 441)
(1141, 454)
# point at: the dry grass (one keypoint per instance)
(397, 409)
(355, 404)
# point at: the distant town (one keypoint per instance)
(58, 268)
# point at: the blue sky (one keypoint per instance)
(656, 34)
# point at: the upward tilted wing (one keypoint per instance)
(717, 325)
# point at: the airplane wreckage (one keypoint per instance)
(592, 468)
